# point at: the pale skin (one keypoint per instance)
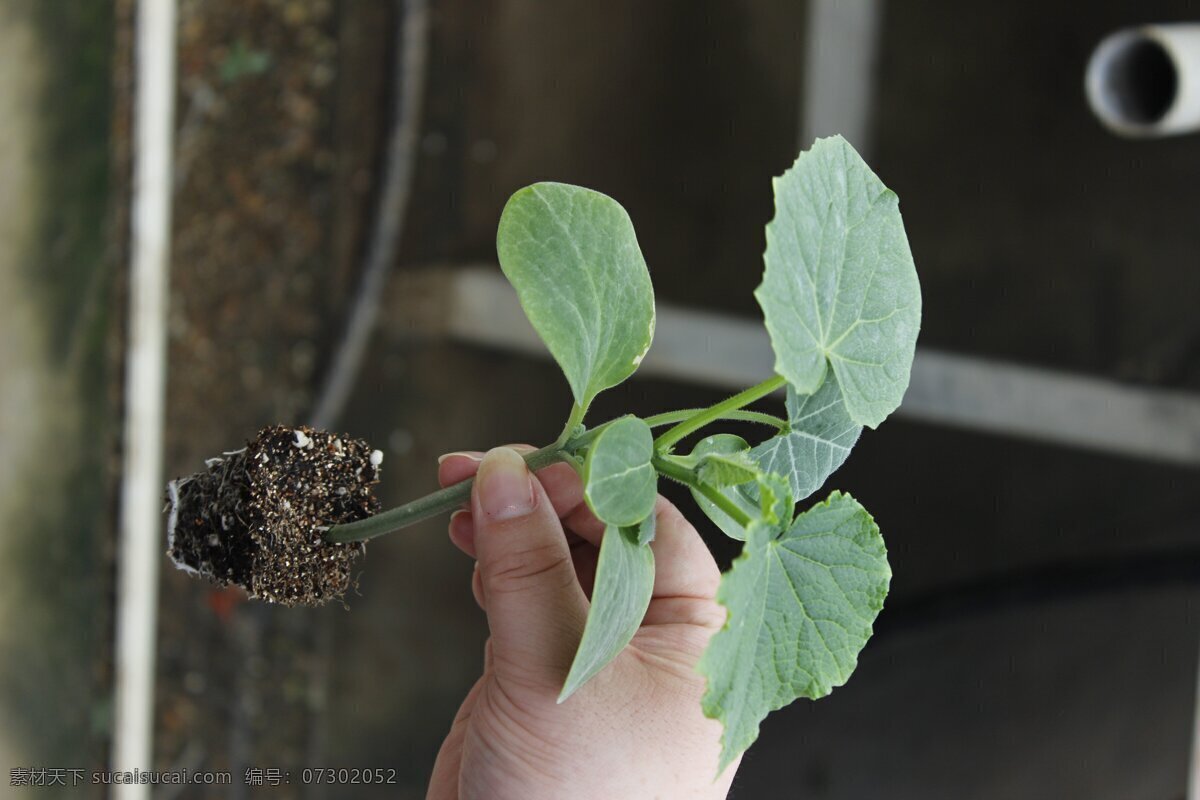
(635, 730)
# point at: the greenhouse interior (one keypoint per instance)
(576, 311)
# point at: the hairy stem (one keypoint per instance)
(672, 417)
(715, 412)
(677, 472)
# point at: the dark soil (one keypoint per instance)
(256, 517)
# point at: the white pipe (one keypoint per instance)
(412, 57)
(1145, 81)
(145, 379)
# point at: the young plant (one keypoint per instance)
(842, 305)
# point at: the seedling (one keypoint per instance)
(842, 305)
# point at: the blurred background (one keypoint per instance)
(1038, 490)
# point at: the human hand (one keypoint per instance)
(636, 729)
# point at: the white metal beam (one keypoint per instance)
(839, 70)
(729, 353)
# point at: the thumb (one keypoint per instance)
(535, 606)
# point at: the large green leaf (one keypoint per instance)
(816, 442)
(840, 286)
(620, 596)
(573, 257)
(801, 607)
(619, 482)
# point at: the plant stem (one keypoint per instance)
(715, 412)
(671, 417)
(431, 505)
(573, 421)
(687, 421)
(687, 477)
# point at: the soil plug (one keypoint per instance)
(257, 517)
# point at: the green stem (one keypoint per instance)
(677, 472)
(573, 421)
(450, 498)
(715, 412)
(687, 421)
(671, 417)
(429, 506)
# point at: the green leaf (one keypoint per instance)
(646, 529)
(727, 469)
(573, 257)
(620, 597)
(816, 442)
(801, 607)
(840, 287)
(619, 483)
(769, 503)
(775, 504)
(726, 444)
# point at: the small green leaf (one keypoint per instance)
(801, 607)
(646, 529)
(726, 444)
(727, 469)
(619, 482)
(816, 442)
(620, 597)
(775, 505)
(573, 257)
(840, 287)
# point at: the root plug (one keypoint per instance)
(257, 517)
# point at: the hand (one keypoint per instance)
(635, 730)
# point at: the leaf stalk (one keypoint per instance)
(672, 469)
(715, 412)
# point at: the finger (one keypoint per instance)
(443, 784)
(462, 531)
(583, 523)
(583, 552)
(456, 467)
(560, 480)
(535, 606)
(563, 487)
(477, 588)
(683, 565)
(459, 465)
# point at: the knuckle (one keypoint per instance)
(521, 568)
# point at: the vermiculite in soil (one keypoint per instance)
(256, 517)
